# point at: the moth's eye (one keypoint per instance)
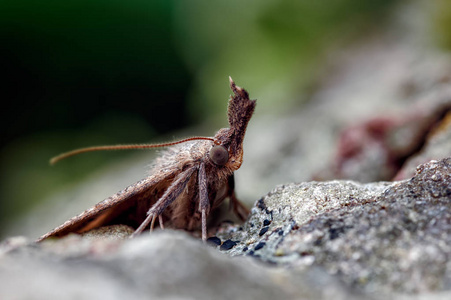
(219, 155)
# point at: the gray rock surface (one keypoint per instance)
(164, 265)
(391, 237)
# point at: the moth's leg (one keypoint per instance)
(171, 193)
(160, 220)
(152, 224)
(204, 203)
(239, 209)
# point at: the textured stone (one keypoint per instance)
(164, 265)
(376, 237)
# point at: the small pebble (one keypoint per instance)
(259, 246)
(214, 241)
(263, 231)
(227, 245)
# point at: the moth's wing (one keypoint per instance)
(132, 202)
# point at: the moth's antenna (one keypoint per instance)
(57, 158)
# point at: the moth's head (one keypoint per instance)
(228, 142)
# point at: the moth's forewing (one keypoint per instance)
(128, 207)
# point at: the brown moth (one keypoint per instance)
(189, 180)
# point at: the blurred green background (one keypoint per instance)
(81, 73)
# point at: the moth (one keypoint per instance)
(187, 182)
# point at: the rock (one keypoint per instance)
(385, 237)
(376, 149)
(437, 146)
(163, 265)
